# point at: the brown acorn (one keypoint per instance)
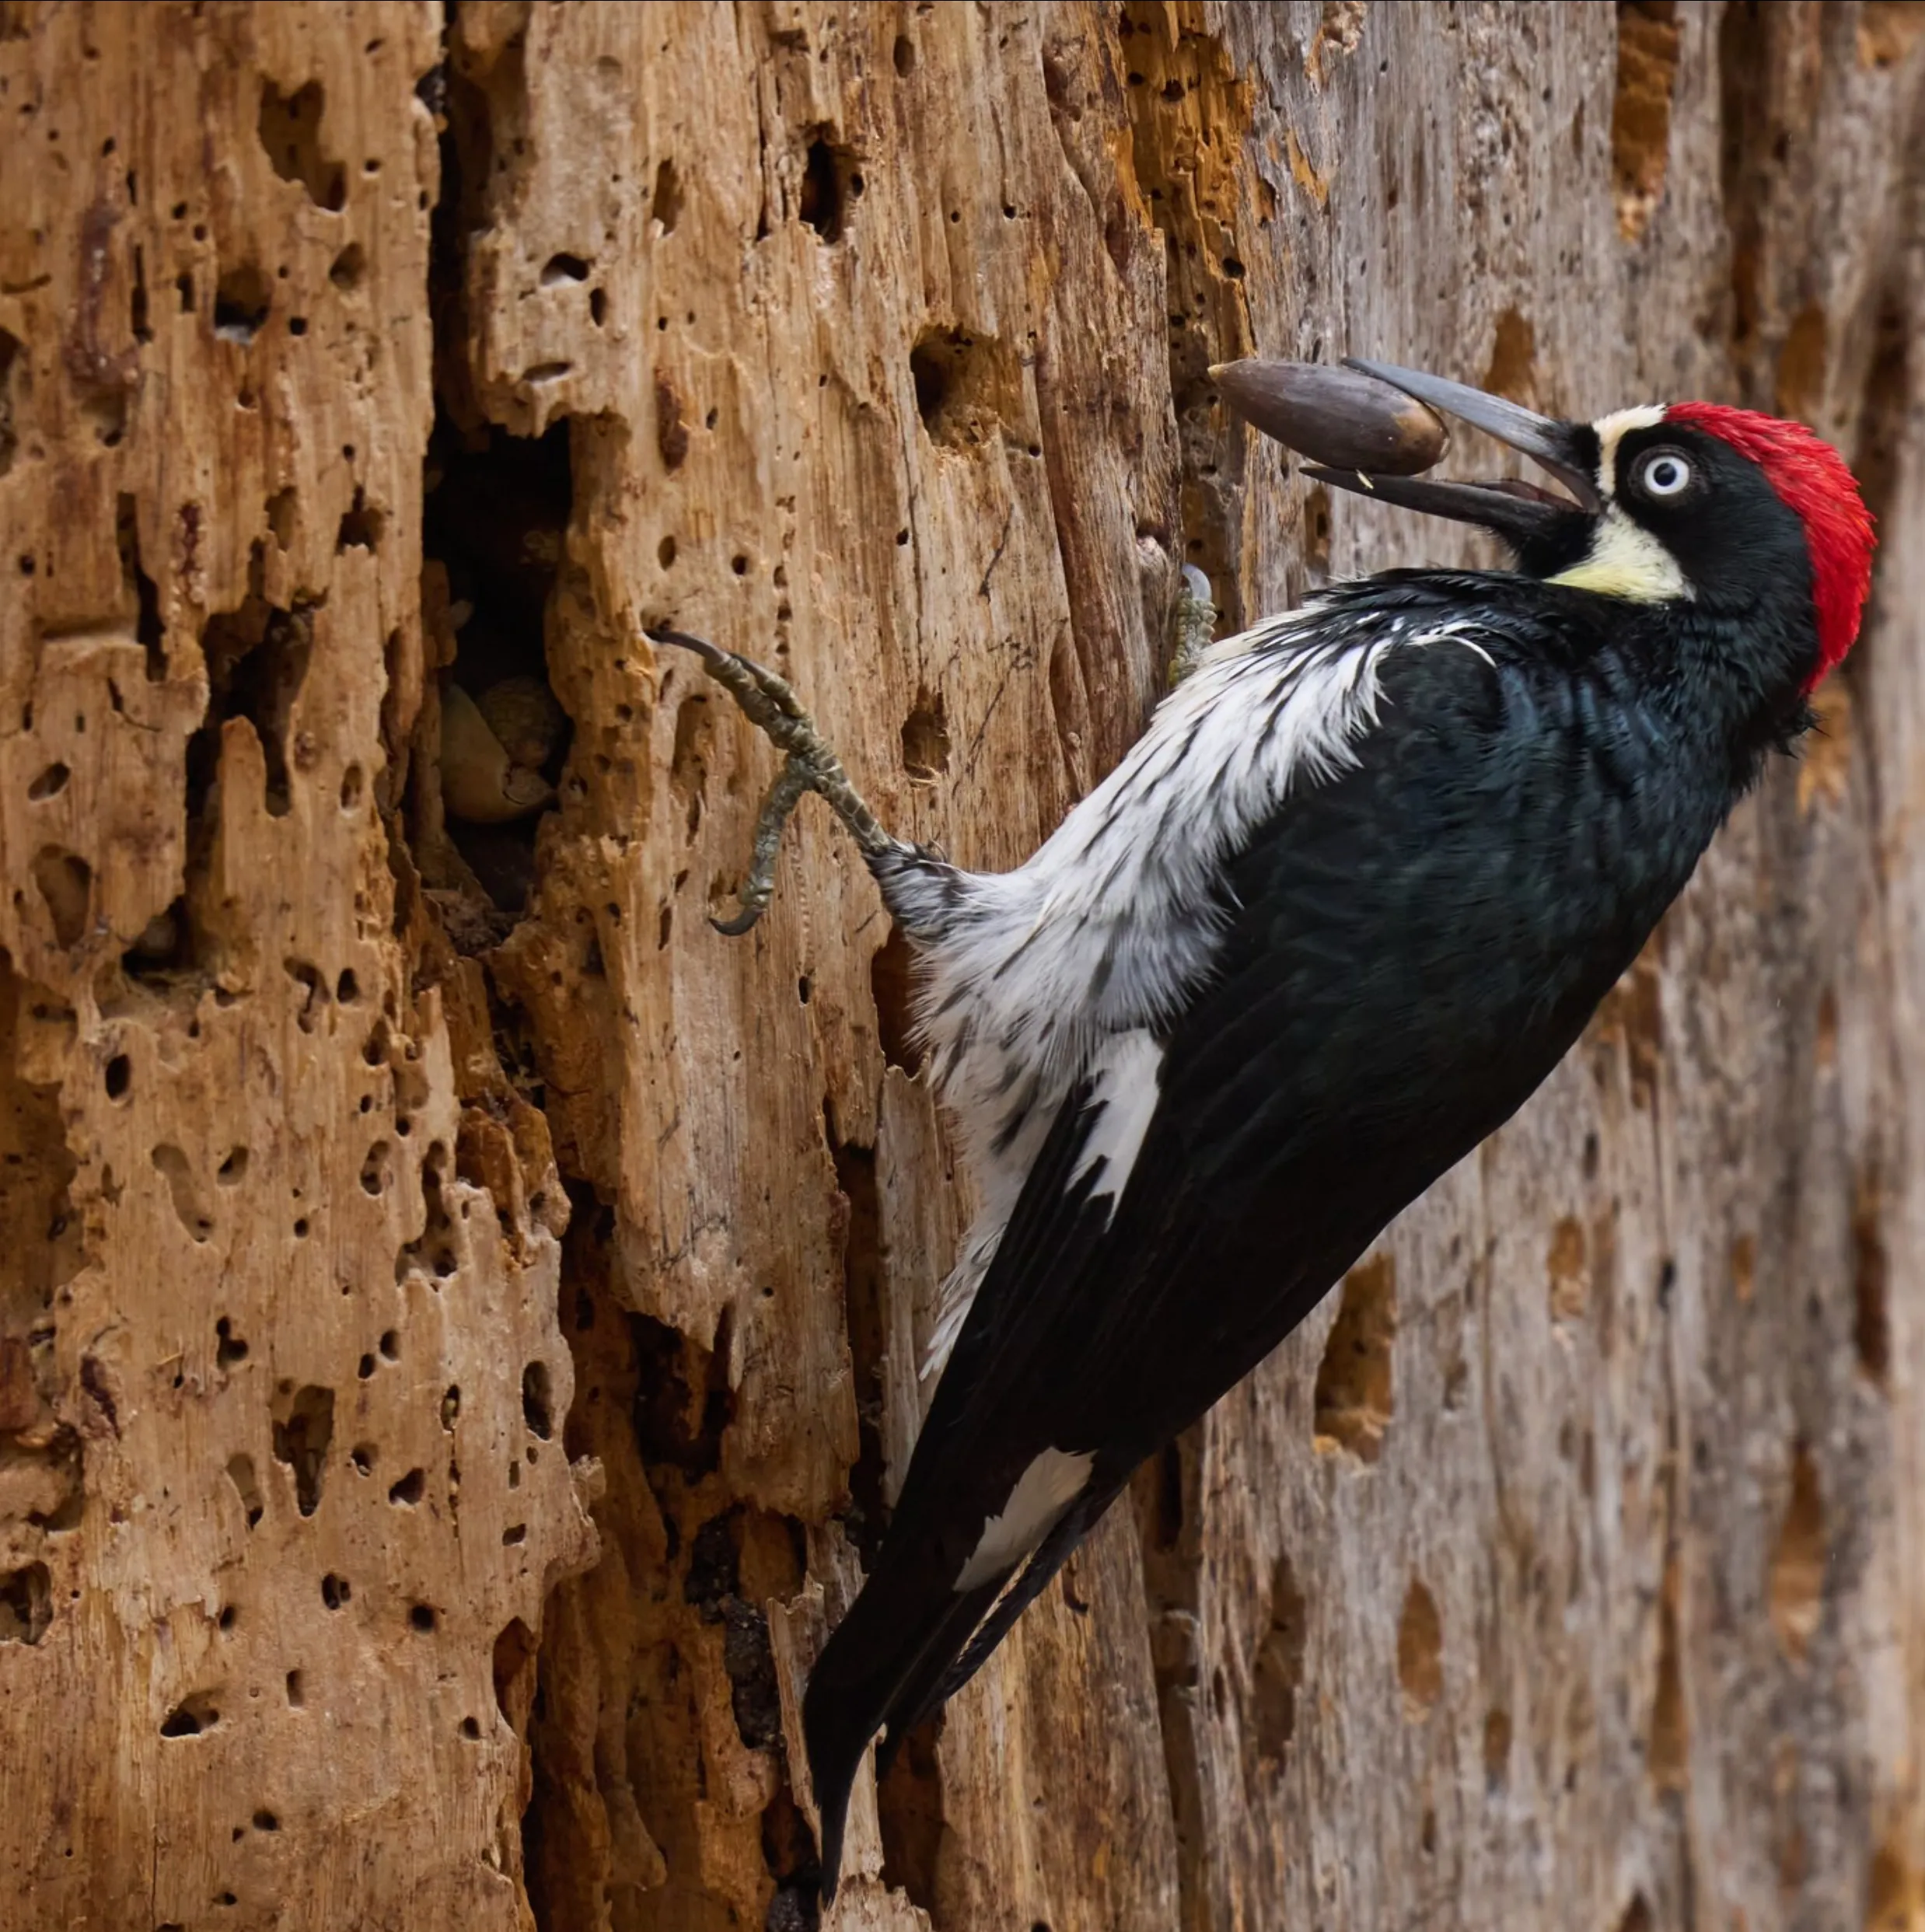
(481, 784)
(525, 714)
(1335, 417)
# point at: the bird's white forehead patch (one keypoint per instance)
(1126, 1087)
(1043, 1492)
(1612, 430)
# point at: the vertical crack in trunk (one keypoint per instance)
(42, 1455)
(632, 1793)
(472, 788)
(1188, 115)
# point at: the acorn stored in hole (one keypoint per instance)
(526, 716)
(481, 784)
(1335, 416)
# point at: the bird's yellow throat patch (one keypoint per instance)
(1627, 562)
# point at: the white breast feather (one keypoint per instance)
(1117, 916)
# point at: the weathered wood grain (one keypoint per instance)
(1566, 1570)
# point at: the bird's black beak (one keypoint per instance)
(1524, 515)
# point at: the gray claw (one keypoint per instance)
(766, 700)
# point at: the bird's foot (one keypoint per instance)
(768, 703)
(1193, 623)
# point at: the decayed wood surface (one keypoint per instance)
(458, 1314)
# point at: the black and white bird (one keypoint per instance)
(1347, 902)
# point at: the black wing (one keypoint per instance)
(1413, 947)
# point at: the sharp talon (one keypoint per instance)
(713, 656)
(700, 646)
(743, 920)
(766, 699)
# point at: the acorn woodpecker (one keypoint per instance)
(1342, 909)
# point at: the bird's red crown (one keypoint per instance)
(1812, 477)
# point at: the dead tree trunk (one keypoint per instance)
(458, 1314)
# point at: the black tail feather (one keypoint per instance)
(918, 1691)
(832, 1770)
(886, 1646)
(907, 1646)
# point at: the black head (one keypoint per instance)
(1684, 515)
(1738, 515)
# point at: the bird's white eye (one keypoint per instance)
(1664, 473)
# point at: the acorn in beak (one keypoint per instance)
(1372, 427)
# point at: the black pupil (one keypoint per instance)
(1665, 475)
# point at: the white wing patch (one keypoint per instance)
(1117, 916)
(1043, 1492)
(1126, 1090)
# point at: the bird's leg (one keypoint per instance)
(767, 702)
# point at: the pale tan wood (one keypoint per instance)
(1564, 1571)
